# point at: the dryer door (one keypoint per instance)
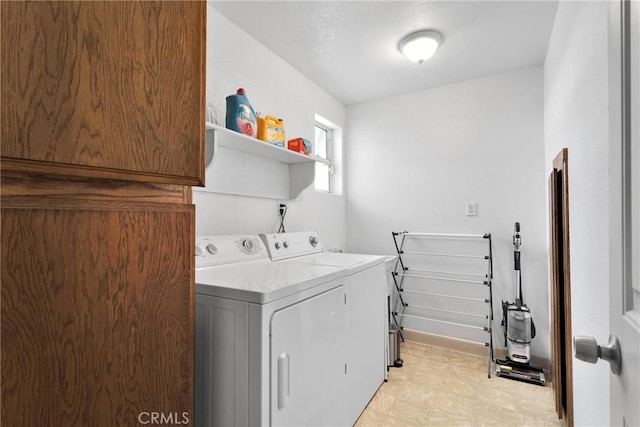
(308, 362)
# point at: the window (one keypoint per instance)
(327, 144)
(322, 147)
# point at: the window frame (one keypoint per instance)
(329, 158)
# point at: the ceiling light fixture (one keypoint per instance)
(420, 46)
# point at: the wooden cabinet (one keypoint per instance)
(104, 89)
(102, 136)
(97, 313)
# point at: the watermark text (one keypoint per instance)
(163, 418)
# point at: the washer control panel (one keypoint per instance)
(216, 250)
(289, 245)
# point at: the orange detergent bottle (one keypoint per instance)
(271, 130)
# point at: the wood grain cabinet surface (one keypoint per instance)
(97, 315)
(105, 89)
(102, 128)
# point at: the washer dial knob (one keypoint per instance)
(285, 244)
(277, 245)
(313, 240)
(199, 250)
(248, 245)
(212, 249)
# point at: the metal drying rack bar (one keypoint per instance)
(445, 279)
(462, 236)
(402, 271)
(448, 272)
(444, 255)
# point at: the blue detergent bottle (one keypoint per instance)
(240, 116)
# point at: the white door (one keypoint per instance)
(308, 362)
(624, 18)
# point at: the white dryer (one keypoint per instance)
(366, 289)
(269, 338)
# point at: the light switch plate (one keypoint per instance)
(472, 209)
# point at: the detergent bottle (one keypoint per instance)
(240, 116)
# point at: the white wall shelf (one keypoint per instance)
(241, 165)
(240, 142)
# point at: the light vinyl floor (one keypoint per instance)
(440, 387)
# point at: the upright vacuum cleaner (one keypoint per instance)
(519, 330)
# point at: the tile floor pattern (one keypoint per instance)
(439, 387)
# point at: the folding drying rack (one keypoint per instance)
(461, 304)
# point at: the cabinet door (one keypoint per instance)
(104, 89)
(97, 315)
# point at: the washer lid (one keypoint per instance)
(262, 281)
(352, 262)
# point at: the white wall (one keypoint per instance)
(576, 117)
(235, 59)
(412, 161)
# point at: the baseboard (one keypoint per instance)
(464, 346)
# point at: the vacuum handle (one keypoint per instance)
(516, 263)
(516, 237)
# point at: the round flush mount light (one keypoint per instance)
(420, 46)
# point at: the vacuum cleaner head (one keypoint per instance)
(520, 372)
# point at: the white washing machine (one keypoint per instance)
(367, 328)
(269, 338)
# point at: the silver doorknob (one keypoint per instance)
(588, 350)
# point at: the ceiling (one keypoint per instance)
(349, 48)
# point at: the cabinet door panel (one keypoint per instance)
(97, 315)
(104, 89)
